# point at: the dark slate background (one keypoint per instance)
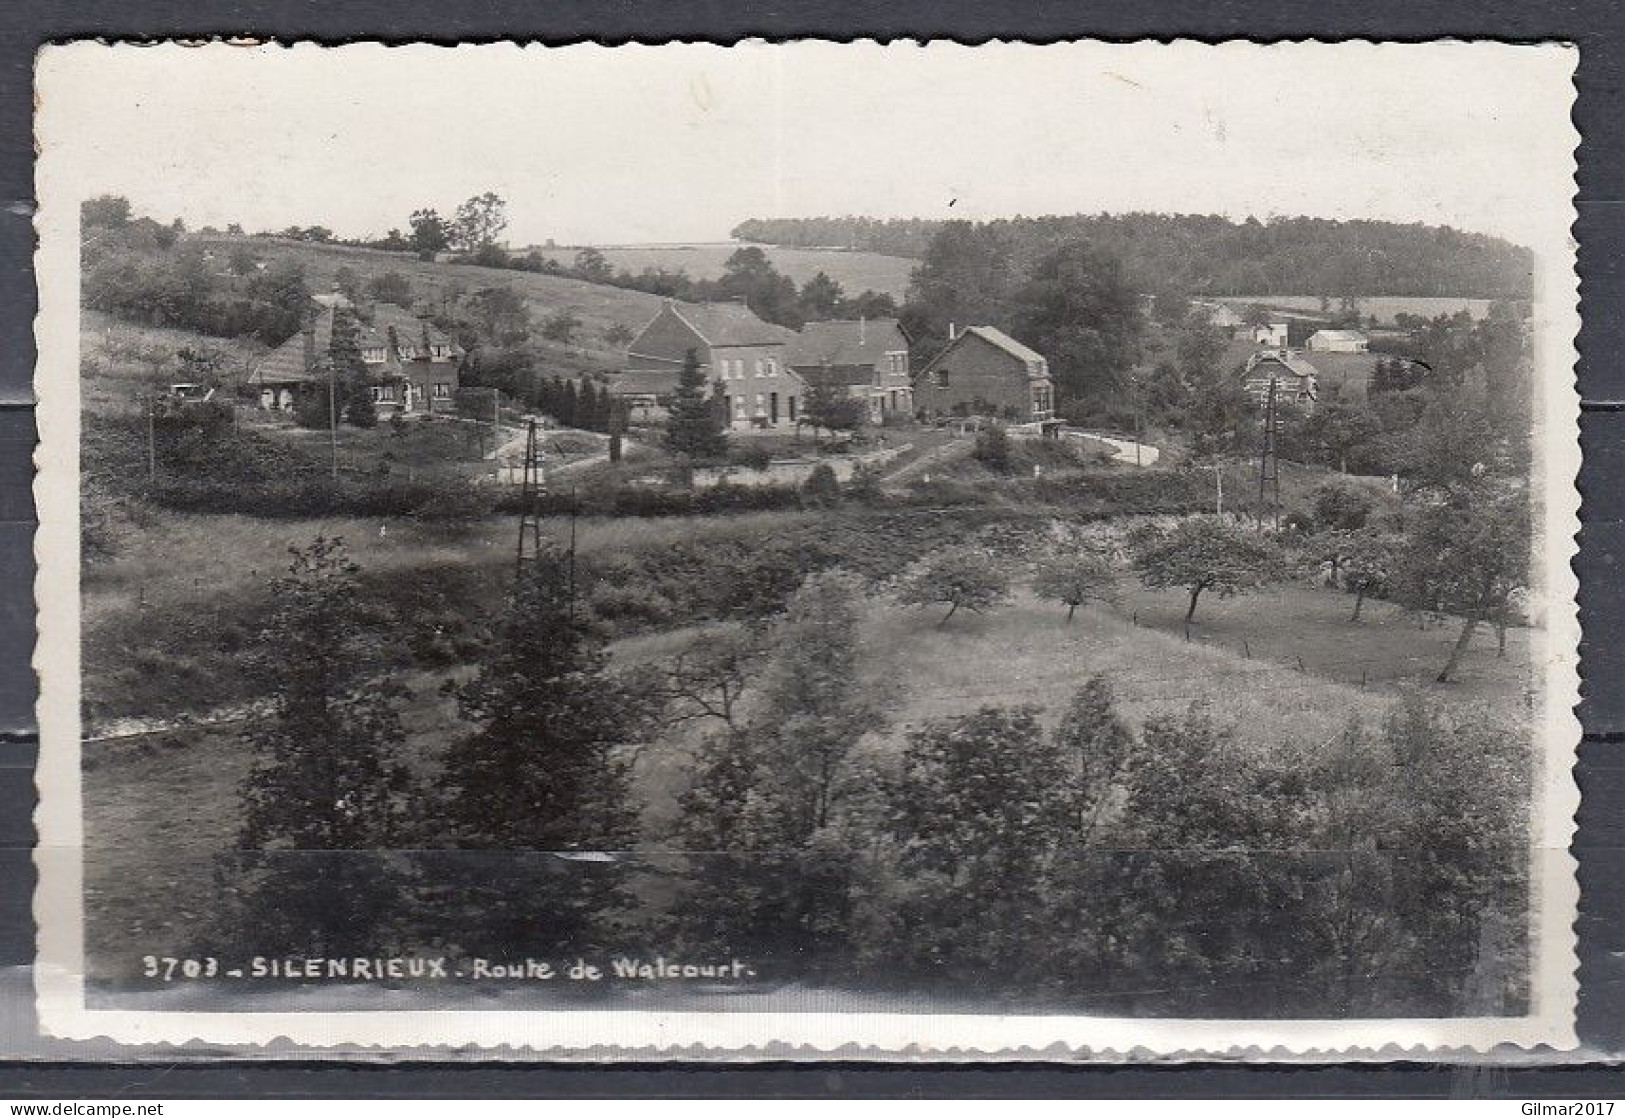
(1597, 25)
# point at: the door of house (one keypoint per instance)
(773, 409)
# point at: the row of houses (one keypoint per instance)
(764, 372)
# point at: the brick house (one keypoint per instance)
(414, 366)
(984, 371)
(866, 357)
(742, 356)
(415, 363)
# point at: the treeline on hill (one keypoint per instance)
(1168, 866)
(471, 235)
(139, 269)
(1203, 254)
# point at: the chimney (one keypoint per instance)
(952, 333)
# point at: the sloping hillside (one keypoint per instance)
(855, 271)
(434, 285)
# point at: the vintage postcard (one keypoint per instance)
(781, 550)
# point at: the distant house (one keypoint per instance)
(740, 354)
(1337, 341)
(1297, 381)
(1271, 334)
(984, 371)
(414, 366)
(1221, 316)
(868, 358)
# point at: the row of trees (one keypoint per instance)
(1462, 556)
(1217, 255)
(1353, 877)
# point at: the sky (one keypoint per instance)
(679, 143)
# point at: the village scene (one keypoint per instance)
(1123, 613)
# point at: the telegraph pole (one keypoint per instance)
(1269, 464)
(532, 484)
(152, 437)
(333, 418)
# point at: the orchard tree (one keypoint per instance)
(961, 577)
(707, 679)
(1469, 559)
(1072, 578)
(694, 429)
(1370, 561)
(1204, 553)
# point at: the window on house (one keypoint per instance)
(761, 403)
(772, 367)
(442, 391)
(739, 405)
(791, 404)
(941, 378)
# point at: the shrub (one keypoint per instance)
(993, 448)
(821, 487)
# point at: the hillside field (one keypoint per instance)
(597, 306)
(855, 271)
(1385, 307)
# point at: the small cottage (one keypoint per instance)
(984, 371)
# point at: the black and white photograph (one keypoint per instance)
(800, 548)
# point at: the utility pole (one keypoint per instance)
(532, 484)
(575, 508)
(1269, 465)
(333, 418)
(152, 437)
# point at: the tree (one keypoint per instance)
(593, 266)
(976, 816)
(561, 327)
(1073, 578)
(830, 406)
(693, 428)
(502, 314)
(1097, 743)
(708, 679)
(1079, 311)
(965, 278)
(1341, 505)
(749, 275)
(546, 768)
(1370, 560)
(326, 775)
(1468, 558)
(961, 577)
(822, 488)
(1204, 553)
(105, 211)
(242, 261)
(430, 232)
(354, 381)
(391, 287)
(479, 221)
(618, 335)
(821, 298)
(992, 448)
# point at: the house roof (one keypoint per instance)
(408, 328)
(992, 335)
(1339, 335)
(726, 324)
(845, 342)
(1292, 361)
(286, 363)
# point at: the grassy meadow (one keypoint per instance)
(855, 271)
